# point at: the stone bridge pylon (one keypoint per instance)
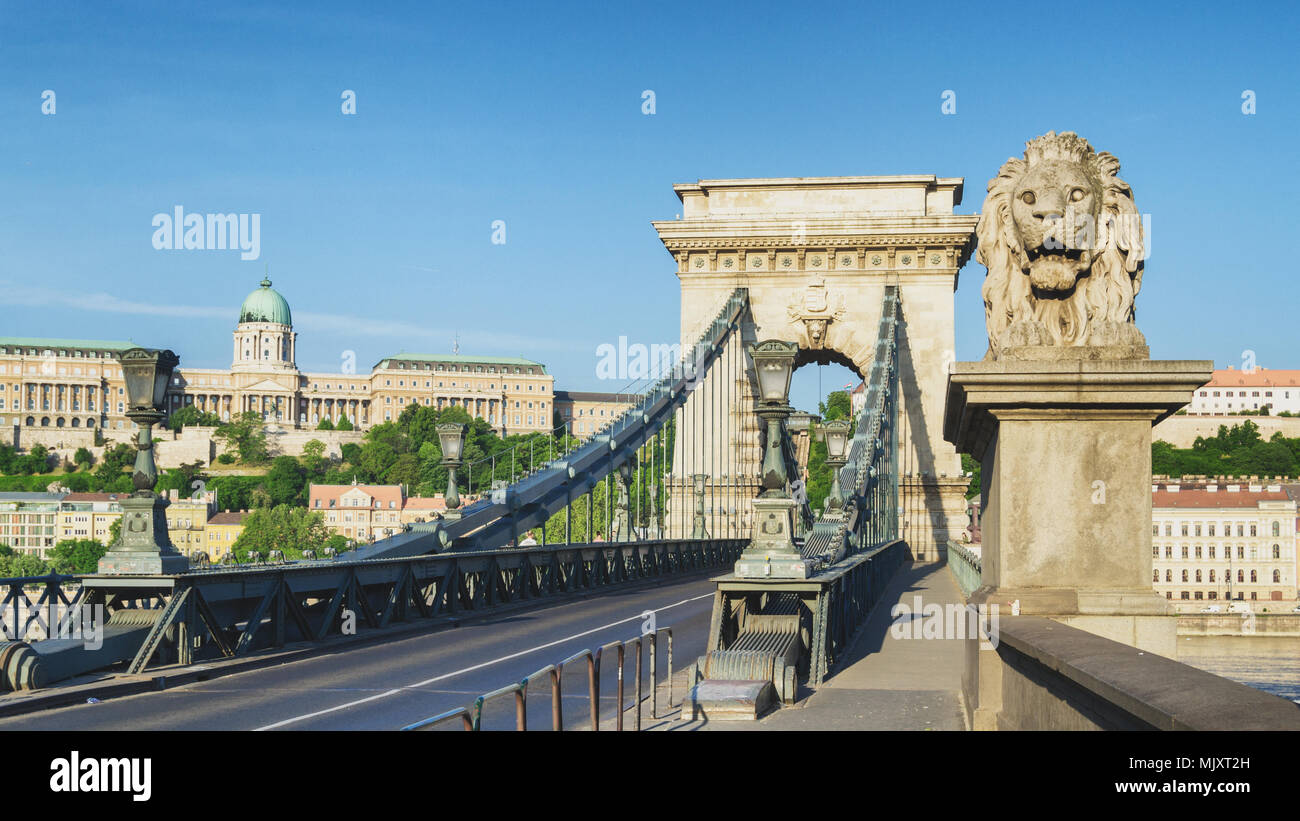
(815, 254)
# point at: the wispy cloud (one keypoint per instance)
(337, 326)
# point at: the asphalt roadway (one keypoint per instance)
(387, 685)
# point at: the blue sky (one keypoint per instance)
(377, 227)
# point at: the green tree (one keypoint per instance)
(181, 479)
(283, 527)
(313, 458)
(325, 424)
(246, 434)
(115, 531)
(971, 465)
(83, 459)
(376, 459)
(286, 482)
(190, 416)
(350, 453)
(76, 556)
(111, 466)
(344, 424)
(838, 405)
(39, 459)
(19, 565)
(8, 459)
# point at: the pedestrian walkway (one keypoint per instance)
(884, 682)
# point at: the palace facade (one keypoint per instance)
(77, 383)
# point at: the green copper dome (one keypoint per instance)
(265, 305)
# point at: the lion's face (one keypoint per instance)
(1053, 208)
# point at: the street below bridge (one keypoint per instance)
(389, 684)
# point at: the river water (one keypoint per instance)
(1269, 663)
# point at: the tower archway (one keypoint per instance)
(815, 255)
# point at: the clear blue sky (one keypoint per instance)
(377, 226)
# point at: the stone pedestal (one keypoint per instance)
(144, 546)
(1065, 447)
(932, 510)
(772, 553)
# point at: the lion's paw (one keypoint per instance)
(1025, 333)
(1107, 332)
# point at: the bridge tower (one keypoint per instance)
(816, 254)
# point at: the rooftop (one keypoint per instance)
(458, 359)
(31, 496)
(56, 342)
(233, 517)
(1259, 377)
(1231, 494)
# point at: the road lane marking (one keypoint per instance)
(427, 682)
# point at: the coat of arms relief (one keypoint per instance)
(816, 309)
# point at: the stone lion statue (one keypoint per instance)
(1062, 241)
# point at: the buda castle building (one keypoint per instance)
(71, 383)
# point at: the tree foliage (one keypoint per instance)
(1235, 451)
(285, 528)
(76, 556)
(190, 416)
(246, 435)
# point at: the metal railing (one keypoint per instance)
(966, 567)
(23, 620)
(471, 717)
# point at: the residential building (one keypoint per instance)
(858, 398)
(1219, 538)
(77, 383)
(187, 520)
(89, 516)
(221, 532)
(29, 522)
(1231, 391)
(365, 513)
(587, 412)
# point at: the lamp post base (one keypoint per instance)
(144, 546)
(772, 554)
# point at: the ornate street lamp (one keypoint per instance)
(774, 362)
(452, 437)
(772, 552)
(144, 547)
(836, 434)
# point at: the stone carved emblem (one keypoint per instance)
(1062, 241)
(816, 310)
(772, 525)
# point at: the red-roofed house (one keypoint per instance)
(1232, 391)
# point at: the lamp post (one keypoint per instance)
(836, 434)
(452, 437)
(772, 552)
(143, 546)
(700, 529)
(623, 531)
